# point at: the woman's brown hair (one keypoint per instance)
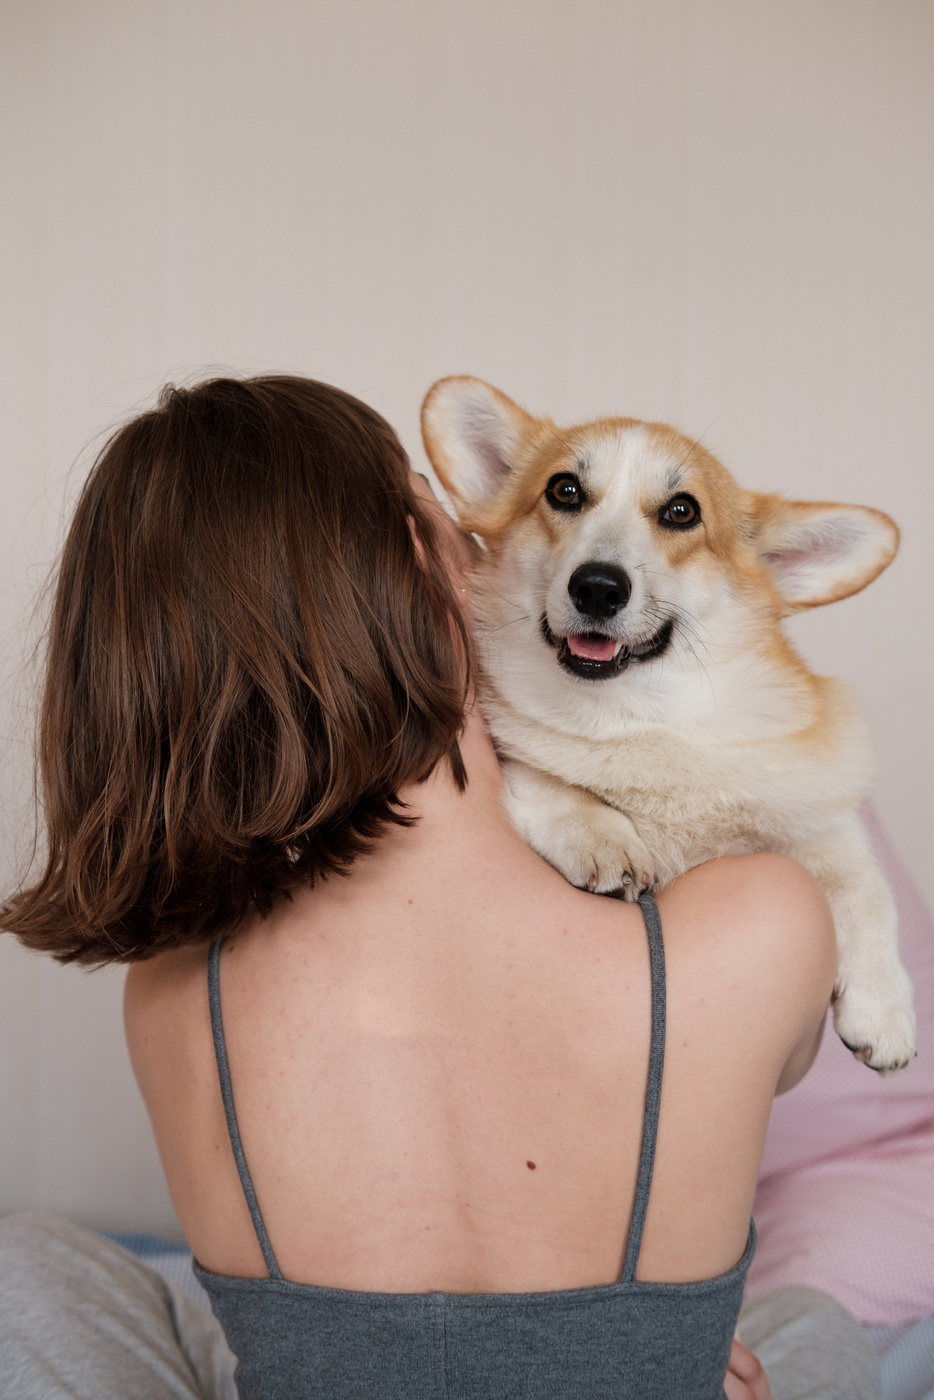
(248, 658)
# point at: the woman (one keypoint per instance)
(396, 1067)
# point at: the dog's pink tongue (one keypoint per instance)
(592, 647)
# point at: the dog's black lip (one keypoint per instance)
(606, 670)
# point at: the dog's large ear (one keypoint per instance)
(817, 552)
(473, 435)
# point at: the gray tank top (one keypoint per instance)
(629, 1340)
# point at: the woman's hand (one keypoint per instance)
(745, 1380)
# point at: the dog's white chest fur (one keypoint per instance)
(649, 710)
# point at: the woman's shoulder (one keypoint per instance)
(751, 952)
(166, 1016)
(760, 911)
(157, 983)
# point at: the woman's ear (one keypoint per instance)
(818, 552)
(459, 550)
(473, 435)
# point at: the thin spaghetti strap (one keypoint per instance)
(223, 1073)
(653, 1088)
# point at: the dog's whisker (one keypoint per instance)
(491, 631)
(503, 597)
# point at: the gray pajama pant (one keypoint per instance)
(83, 1319)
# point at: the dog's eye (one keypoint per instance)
(680, 513)
(564, 492)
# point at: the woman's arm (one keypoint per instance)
(746, 1379)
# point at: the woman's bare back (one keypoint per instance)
(439, 1063)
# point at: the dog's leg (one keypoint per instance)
(593, 845)
(873, 997)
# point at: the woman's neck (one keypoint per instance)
(451, 822)
(459, 840)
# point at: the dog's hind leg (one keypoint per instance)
(873, 996)
(593, 845)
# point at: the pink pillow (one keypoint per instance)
(846, 1191)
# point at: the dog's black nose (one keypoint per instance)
(599, 590)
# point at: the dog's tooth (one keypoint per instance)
(618, 646)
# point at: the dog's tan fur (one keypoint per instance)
(726, 742)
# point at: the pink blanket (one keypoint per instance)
(846, 1193)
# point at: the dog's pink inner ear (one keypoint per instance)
(817, 554)
(474, 435)
(487, 439)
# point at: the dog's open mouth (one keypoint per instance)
(597, 657)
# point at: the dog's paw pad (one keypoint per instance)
(860, 1052)
(867, 1055)
(879, 1033)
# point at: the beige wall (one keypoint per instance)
(719, 213)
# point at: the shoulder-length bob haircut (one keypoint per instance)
(248, 657)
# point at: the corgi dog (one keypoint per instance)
(649, 710)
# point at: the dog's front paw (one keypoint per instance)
(605, 856)
(880, 1030)
(593, 845)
